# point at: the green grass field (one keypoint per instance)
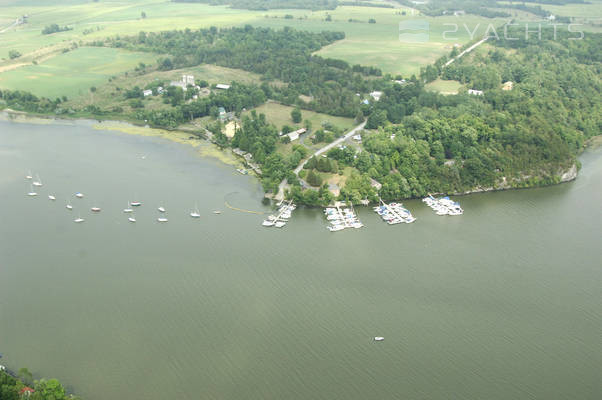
(73, 73)
(444, 87)
(280, 115)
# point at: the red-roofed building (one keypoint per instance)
(26, 391)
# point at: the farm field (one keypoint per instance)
(444, 87)
(280, 115)
(369, 44)
(110, 94)
(73, 73)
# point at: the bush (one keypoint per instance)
(14, 54)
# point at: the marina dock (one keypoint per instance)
(342, 218)
(281, 218)
(443, 205)
(394, 213)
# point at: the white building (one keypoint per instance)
(475, 92)
(188, 79)
(147, 92)
(295, 135)
(376, 95)
(222, 86)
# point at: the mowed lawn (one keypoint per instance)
(280, 115)
(73, 73)
(444, 87)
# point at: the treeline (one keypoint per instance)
(53, 28)
(234, 99)
(24, 387)
(284, 55)
(516, 138)
(25, 101)
(264, 5)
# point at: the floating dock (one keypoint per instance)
(342, 218)
(281, 218)
(443, 205)
(394, 213)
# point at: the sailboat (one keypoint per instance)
(161, 209)
(38, 181)
(162, 219)
(28, 176)
(135, 204)
(195, 213)
(79, 195)
(129, 209)
(51, 197)
(69, 206)
(132, 218)
(79, 219)
(95, 209)
(31, 192)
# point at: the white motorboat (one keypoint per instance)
(195, 213)
(217, 212)
(378, 338)
(267, 223)
(69, 206)
(336, 228)
(132, 219)
(95, 209)
(51, 197)
(161, 219)
(161, 209)
(279, 224)
(38, 181)
(78, 220)
(79, 195)
(129, 209)
(31, 192)
(28, 176)
(135, 204)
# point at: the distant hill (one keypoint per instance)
(270, 4)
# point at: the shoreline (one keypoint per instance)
(205, 148)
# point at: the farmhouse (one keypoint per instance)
(295, 135)
(376, 95)
(475, 92)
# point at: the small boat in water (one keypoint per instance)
(79, 195)
(38, 181)
(195, 213)
(161, 219)
(78, 220)
(135, 204)
(51, 197)
(95, 209)
(279, 224)
(129, 209)
(31, 192)
(161, 209)
(28, 176)
(69, 206)
(378, 338)
(267, 222)
(217, 212)
(132, 219)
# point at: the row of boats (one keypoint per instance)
(394, 213)
(129, 210)
(342, 218)
(443, 205)
(282, 216)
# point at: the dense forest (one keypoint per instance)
(270, 4)
(278, 55)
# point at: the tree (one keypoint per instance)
(313, 179)
(50, 389)
(25, 375)
(143, 14)
(296, 115)
(371, 21)
(359, 117)
(12, 54)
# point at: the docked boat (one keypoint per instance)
(336, 228)
(279, 224)
(268, 223)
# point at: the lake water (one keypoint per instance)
(504, 302)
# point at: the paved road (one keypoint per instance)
(468, 50)
(321, 151)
